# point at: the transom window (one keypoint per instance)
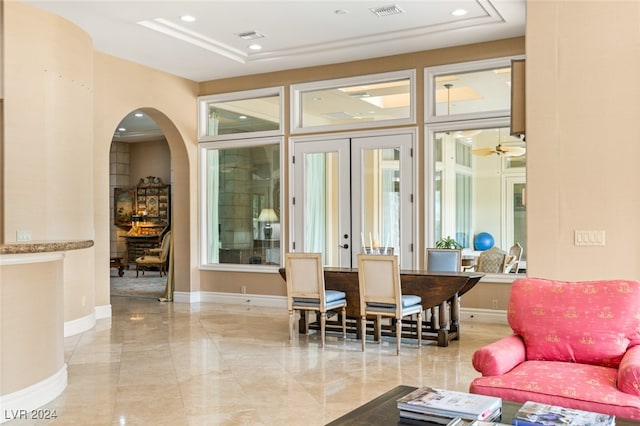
(365, 101)
(251, 113)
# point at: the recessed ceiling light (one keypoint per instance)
(255, 46)
(188, 18)
(139, 114)
(459, 12)
(242, 117)
(122, 129)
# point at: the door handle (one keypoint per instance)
(344, 246)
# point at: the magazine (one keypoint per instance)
(537, 414)
(446, 403)
(448, 421)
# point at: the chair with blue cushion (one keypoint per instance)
(306, 292)
(443, 260)
(381, 295)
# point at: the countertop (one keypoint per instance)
(44, 246)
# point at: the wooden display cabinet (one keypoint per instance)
(149, 221)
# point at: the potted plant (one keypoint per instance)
(448, 243)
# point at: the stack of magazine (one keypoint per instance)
(448, 407)
(537, 414)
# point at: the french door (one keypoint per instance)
(353, 192)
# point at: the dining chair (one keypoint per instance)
(155, 256)
(381, 296)
(443, 260)
(306, 291)
(513, 263)
(492, 261)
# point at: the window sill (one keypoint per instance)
(244, 268)
(501, 278)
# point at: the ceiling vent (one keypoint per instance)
(387, 10)
(250, 35)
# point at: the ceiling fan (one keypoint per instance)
(505, 151)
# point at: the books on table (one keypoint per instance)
(442, 406)
(537, 414)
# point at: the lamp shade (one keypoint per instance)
(268, 215)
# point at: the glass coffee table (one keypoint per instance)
(383, 410)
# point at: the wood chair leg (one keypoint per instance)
(378, 329)
(344, 323)
(323, 322)
(419, 330)
(363, 330)
(398, 335)
(306, 321)
(291, 325)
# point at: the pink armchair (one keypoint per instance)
(574, 345)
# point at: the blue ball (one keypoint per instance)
(483, 241)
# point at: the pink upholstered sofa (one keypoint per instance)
(574, 344)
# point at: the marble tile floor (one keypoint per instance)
(176, 364)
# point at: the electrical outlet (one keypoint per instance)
(243, 289)
(494, 304)
(23, 235)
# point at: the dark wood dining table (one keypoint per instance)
(437, 289)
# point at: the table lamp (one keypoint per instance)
(267, 216)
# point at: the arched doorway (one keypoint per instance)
(140, 178)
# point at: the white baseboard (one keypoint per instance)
(19, 404)
(245, 299)
(485, 316)
(230, 298)
(80, 325)
(103, 311)
(186, 296)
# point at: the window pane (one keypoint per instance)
(243, 116)
(437, 200)
(472, 192)
(321, 214)
(355, 102)
(381, 198)
(243, 218)
(473, 92)
(519, 228)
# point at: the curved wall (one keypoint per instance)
(48, 149)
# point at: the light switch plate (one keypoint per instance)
(589, 238)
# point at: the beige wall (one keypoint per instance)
(151, 158)
(583, 122)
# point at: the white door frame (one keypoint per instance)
(409, 214)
